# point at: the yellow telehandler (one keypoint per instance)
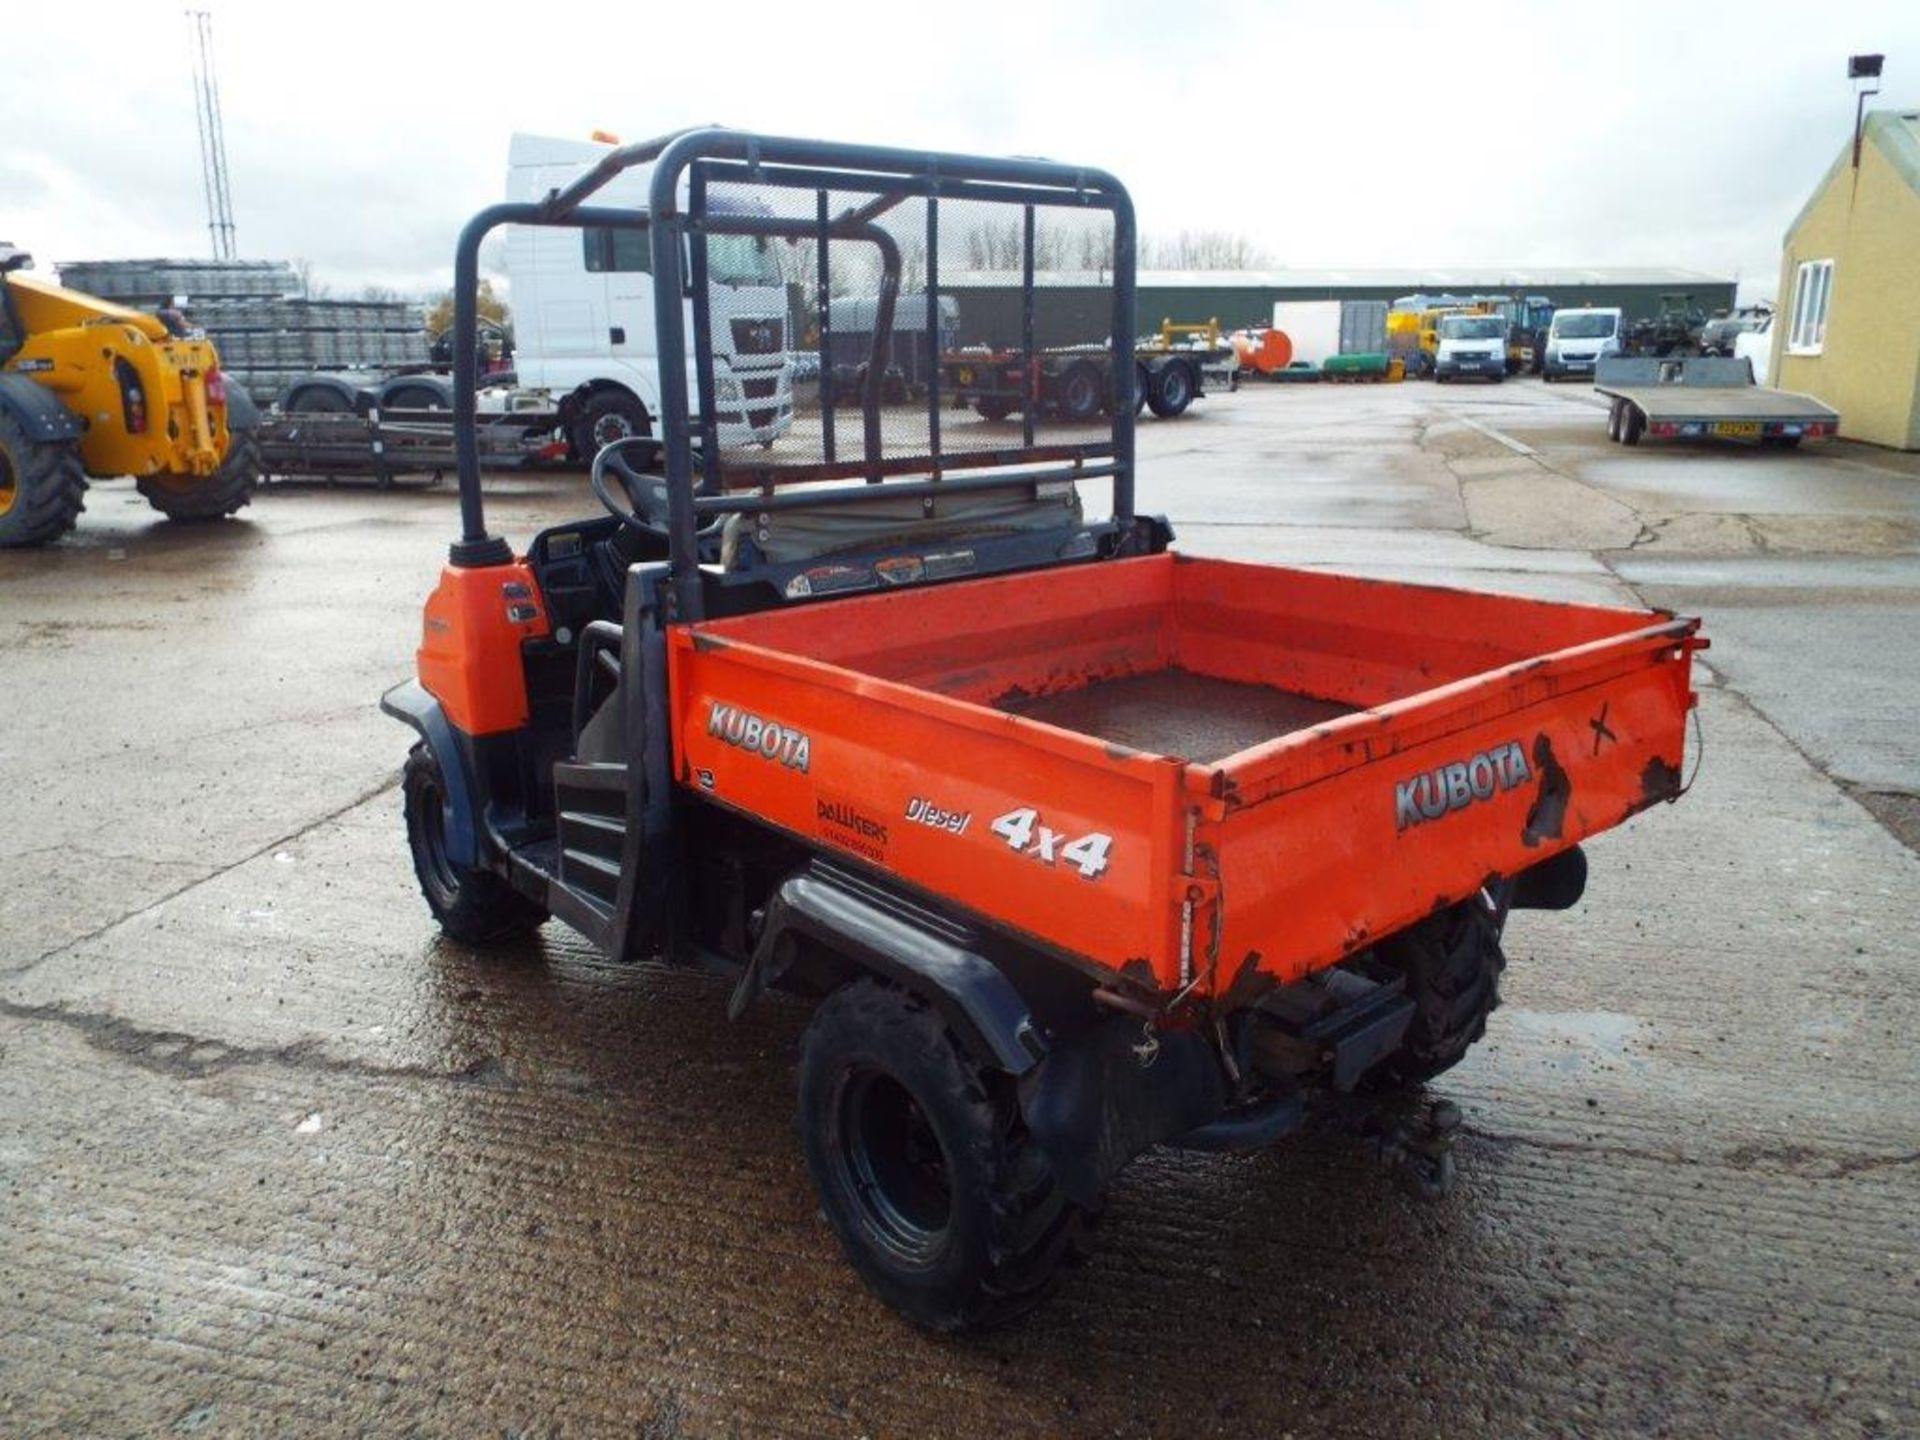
(92, 389)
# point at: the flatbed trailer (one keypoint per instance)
(1704, 397)
(384, 444)
(1076, 382)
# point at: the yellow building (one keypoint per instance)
(1848, 328)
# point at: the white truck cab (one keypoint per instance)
(1577, 339)
(584, 318)
(1470, 345)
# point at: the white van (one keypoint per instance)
(583, 315)
(1577, 339)
(1470, 345)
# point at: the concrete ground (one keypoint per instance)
(276, 1160)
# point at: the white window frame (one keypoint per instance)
(1812, 299)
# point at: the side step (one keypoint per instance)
(590, 803)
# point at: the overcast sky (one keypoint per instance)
(361, 135)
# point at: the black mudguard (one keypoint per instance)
(1114, 1091)
(38, 410)
(409, 703)
(913, 947)
(242, 413)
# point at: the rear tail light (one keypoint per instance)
(216, 387)
(133, 400)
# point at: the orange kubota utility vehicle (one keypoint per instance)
(1082, 845)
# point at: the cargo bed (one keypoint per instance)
(1193, 772)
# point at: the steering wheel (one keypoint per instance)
(646, 495)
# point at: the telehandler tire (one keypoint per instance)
(475, 907)
(942, 1202)
(1452, 963)
(43, 485)
(194, 498)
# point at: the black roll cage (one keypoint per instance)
(890, 176)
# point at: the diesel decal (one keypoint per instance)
(768, 739)
(847, 825)
(1446, 788)
(925, 812)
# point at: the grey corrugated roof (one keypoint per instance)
(1466, 277)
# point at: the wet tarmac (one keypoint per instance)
(276, 1160)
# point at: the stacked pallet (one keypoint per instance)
(268, 332)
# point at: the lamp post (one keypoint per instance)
(1864, 72)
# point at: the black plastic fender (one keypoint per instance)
(1117, 1089)
(435, 383)
(409, 703)
(914, 948)
(242, 413)
(38, 410)
(353, 399)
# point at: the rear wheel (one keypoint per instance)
(475, 907)
(942, 1202)
(208, 497)
(1171, 391)
(1633, 424)
(42, 486)
(1080, 393)
(1451, 963)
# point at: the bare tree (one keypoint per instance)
(1202, 250)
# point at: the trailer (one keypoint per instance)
(1701, 397)
(387, 443)
(1075, 382)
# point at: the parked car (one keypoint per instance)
(1578, 338)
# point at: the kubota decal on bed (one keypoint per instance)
(768, 739)
(1445, 788)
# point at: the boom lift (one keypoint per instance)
(1081, 846)
(89, 388)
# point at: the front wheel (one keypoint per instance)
(940, 1198)
(475, 907)
(609, 415)
(208, 497)
(42, 485)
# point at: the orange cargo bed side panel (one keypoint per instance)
(1055, 835)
